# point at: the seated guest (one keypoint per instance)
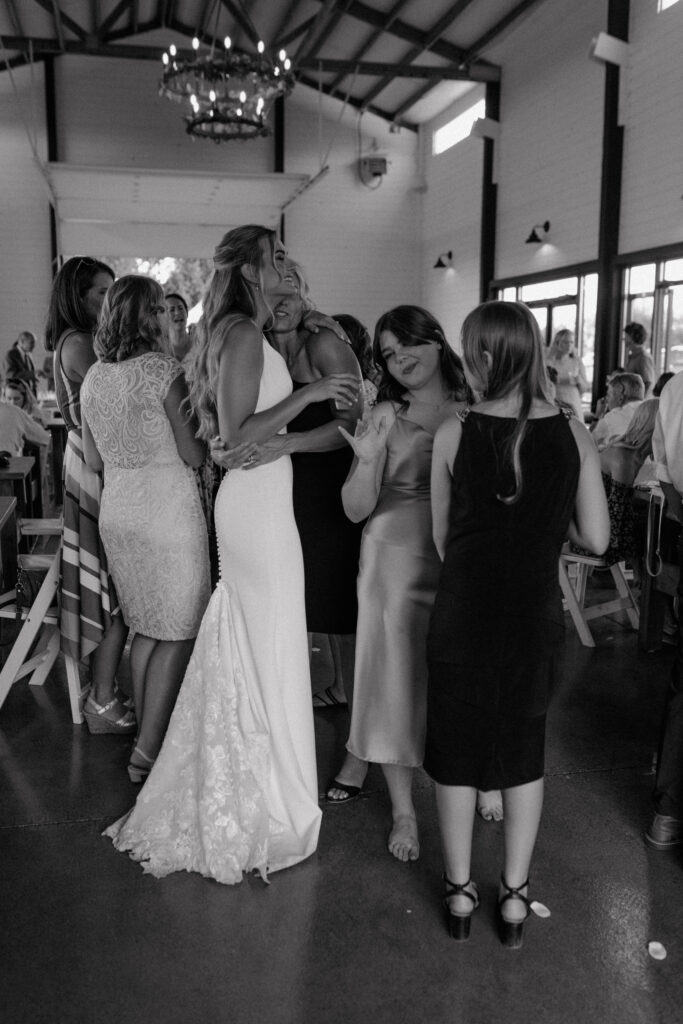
(17, 428)
(621, 462)
(625, 392)
(18, 361)
(17, 392)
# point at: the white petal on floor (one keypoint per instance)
(656, 950)
(539, 909)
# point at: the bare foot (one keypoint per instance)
(403, 840)
(350, 776)
(490, 805)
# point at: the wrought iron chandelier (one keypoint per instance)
(229, 94)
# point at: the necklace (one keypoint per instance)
(432, 405)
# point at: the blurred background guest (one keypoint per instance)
(19, 363)
(179, 338)
(17, 427)
(639, 359)
(625, 392)
(361, 343)
(571, 379)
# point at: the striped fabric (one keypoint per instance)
(87, 599)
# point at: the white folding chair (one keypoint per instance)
(574, 571)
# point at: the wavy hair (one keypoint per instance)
(129, 316)
(561, 335)
(412, 325)
(228, 294)
(507, 332)
(67, 310)
(361, 343)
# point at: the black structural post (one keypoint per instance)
(607, 320)
(489, 200)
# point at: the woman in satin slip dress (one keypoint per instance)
(422, 384)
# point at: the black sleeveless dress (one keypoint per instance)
(330, 542)
(497, 620)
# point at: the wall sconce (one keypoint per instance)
(534, 236)
(445, 260)
(609, 49)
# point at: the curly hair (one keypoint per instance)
(228, 294)
(412, 325)
(67, 309)
(507, 333)
(129, 316)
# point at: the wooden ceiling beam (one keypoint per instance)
(286, 21)
(476, 73)
(431, 37)
(111, 19)
(500, 27)
(390, 18)
(14, 17)
(413, 99)
(67, 22)
(284, 40)
(323, 27)
(59, 28)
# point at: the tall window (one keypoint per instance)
(457, 129)
(653, 297)
(563, 302)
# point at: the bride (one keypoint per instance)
(234, 788)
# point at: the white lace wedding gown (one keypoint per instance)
(234, 788)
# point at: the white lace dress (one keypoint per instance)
(151, 521)
(234, 788)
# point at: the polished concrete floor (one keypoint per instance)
(351, 935)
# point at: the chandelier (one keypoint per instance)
(229, 94)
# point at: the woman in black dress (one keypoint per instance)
(511, 481)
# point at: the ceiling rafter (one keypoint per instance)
(432, 36)
(286, 39)
(286, 20)
(59, 28)
(201, 24)
(323, 27)
(500, 27)
(67, 22)
(413, 99)
(242, 18)
(372, 38)
(409, 33)
(134, 17)
(113, 17)
(14, 17)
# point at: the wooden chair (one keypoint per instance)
(42, 616)
(574, 571)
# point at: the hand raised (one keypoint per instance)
(369, 440)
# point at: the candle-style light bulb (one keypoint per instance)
(282, 55)
(227, 42)
(261, 46)
(172, 50)
(195, 43)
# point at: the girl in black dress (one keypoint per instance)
(512, 478)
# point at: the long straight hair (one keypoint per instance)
(229, 293)
(67, 309)
(508, 333)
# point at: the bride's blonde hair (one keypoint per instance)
(229, 294)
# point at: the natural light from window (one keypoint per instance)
(663, 4)
(457, 129)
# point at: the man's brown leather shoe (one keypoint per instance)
(664, 832)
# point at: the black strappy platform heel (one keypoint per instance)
(511, 933)
(459, 924)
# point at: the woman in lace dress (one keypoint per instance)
(234, 788)
(151, 521)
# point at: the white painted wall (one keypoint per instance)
(651, 207)
(550, 148)
(359, 246)
(450, 221)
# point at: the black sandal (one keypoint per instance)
(459, 924)
(511, 933)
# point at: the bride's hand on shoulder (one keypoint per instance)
(369, 439)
